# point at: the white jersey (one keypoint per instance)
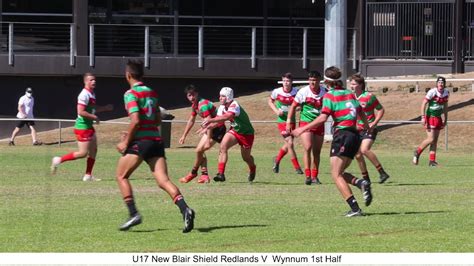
(310, 102)
(87, 99)
(26, 104)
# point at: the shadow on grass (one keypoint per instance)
(212, 228)
(186, 147)
(57, 142)
(412, 184)
(256, 183)
(403, 213)
(145, 231)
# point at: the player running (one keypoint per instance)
(241, 132)
(434, 106)
(374, 112)
(83, 129)
(204, 108)
(280, 101)
(143, 143)
(310, 99)
(344, 108)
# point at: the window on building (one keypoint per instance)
(36, 11)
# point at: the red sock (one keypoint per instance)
(90, 165)
(280, 155)
(253, 168)
(432, 156)
(295, 162)
(307, 172)
(419, 150)
(221, 168)
(314, 173)
(68, 157)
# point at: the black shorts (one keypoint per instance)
(25, 122)
(218, 133)
(345, 143)
(366, 135)
(146, 149)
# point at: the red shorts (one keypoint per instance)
(84, 134)
(282, 129)
(246, 141)
(434, 122)
(316, 131)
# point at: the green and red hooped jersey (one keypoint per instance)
(203, 108)
(241, 122)
(283, 101)
(87, 99)
(436, 101)
(343, 106)
(369, 103)
(143, 100)
(311, 103)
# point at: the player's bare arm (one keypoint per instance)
(423, 110)
(132, 129)
(189, 125)
(366, 122)
(271, 103)
(217, 119)
(81, 110)
(291, 113)
(315, 123)
(378, 116)
(445, 112)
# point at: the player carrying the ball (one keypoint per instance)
(204, 108)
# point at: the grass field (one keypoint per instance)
(420, 209)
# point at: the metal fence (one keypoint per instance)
(403, 30)
(469, 41)
(169, 40)
(34, 37)
(119, 40)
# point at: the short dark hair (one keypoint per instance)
(359, 79)
(190, 88)
(440, 78)
(87, 74)
(135, 68)
(314, 74)
(333, 73)
(287, 75)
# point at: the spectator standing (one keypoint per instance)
(25, 111)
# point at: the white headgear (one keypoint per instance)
(228, 93)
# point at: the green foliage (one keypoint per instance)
(419, 209)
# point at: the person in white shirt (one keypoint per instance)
(25, 111)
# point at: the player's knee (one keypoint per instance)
(163, 183)
(204, 148)
(81, 154)
(247, 158)
(121, 176)
(363, 151)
